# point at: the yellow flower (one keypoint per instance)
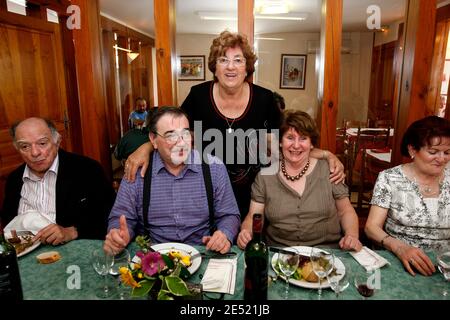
(127, 278)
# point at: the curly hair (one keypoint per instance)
(225, 41)
(301, 122)
(421, 133)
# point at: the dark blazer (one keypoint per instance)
(84, 196)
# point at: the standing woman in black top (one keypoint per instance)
(233, 107)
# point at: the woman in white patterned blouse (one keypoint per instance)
(410, 211)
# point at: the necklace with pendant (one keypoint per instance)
(229, 130)
(293, 178)
(426, 189)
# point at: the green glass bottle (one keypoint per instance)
(256, 263)
(10, 285)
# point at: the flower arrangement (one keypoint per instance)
(161, 275)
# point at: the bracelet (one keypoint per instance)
(324, 155)
(382, 240)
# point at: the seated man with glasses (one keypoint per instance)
(183, 205)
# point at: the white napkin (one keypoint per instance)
(30, 221)
(220, 276)
(369, 259)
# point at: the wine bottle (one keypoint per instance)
(256, 263)
(10, 285)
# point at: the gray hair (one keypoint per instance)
(55, 134)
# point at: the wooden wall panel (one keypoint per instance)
(331, 36)
(165, 51)
(109, 73)
(246, 20)
(87, 42)
(421, 17)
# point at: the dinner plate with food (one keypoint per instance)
(22, 241)
(181, 251)
(304, 276)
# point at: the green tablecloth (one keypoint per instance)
(56, 281)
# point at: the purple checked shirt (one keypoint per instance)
(178, 210)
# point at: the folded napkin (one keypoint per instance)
(369, 259)
(220, 276)
(30, 221)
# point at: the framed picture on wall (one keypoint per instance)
(192, 68)
(293, 71)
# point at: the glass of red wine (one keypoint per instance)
(364, 283)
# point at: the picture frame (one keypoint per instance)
(192, 68)
(293, 71)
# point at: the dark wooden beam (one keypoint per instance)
(87, 44)
(3, 5)
(331, 35)
(165, 51)
(420, 24)
(246, 20)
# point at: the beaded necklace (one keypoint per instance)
(293, 178)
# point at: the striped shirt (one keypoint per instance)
(39, 194)
(178, 210)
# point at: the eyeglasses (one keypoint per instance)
(172, 137)
(238, 61)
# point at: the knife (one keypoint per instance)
(214, 255)
(282, 250)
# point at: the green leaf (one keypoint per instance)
(184, 273)
(177, 286)
(164, 295)
(169, 263)
(146, 286)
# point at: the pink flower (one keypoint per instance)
(152, 263)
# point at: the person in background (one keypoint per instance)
(178, 204)
(138, 116)
(410, 210)
(58, 195)
(134, 138)
(230, 104)
(300, 204)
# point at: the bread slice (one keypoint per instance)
(48, 257)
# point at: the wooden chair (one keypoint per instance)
(370, 168)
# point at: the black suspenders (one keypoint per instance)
(208, 186)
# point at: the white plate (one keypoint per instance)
(306, 251)
(183, 248)
(20, 234)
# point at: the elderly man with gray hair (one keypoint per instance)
(59, 196)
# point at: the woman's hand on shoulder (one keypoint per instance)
(243, 238)
(337, 173)
(349, 242)
(414, 259)
(139, 158)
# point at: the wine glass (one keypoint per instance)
(102, 262)
(363, 283)
(338, 281)
(122, 259)
(443, 260)
(322, 265)
(288, 264)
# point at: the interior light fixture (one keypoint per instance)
(122, 49)
(218, 15)
(273, 8)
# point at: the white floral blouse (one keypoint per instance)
(418, 221)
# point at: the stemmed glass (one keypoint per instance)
(338, 281)
(102, 262)
(288, 264)
(322, 265)
(363, 283)
(443, 260)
